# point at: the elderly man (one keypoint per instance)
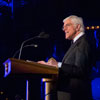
(74, 81)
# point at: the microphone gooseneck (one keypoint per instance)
(41, 35)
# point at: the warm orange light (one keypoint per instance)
(97, 27)
(92, 27)
(87, 27)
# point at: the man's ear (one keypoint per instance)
(78, 27)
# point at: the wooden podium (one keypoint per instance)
(14, 66)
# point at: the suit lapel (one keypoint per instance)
(70, 50)
(72, 47)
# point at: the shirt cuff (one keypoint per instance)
(59, 64)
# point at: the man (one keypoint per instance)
(74, 76)
(74, 81)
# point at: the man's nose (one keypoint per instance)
(64, 28)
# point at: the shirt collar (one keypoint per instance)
(78, 36)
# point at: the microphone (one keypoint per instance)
(41, 35)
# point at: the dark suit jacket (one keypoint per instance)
(74, 74)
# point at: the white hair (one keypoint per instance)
(76, 20)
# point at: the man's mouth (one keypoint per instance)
(66, 32)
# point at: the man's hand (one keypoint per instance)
(51, 62)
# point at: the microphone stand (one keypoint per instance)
(41, 35)
(24, 43)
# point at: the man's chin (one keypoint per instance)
(66, 37)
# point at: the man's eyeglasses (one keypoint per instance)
(65, 26)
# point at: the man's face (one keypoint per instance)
(69, 29)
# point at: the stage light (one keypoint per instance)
(87, 27)
(97, 27)
(92, 27)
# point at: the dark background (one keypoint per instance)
(23, 19)
(27, 18)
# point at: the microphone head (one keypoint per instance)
(43, 35)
